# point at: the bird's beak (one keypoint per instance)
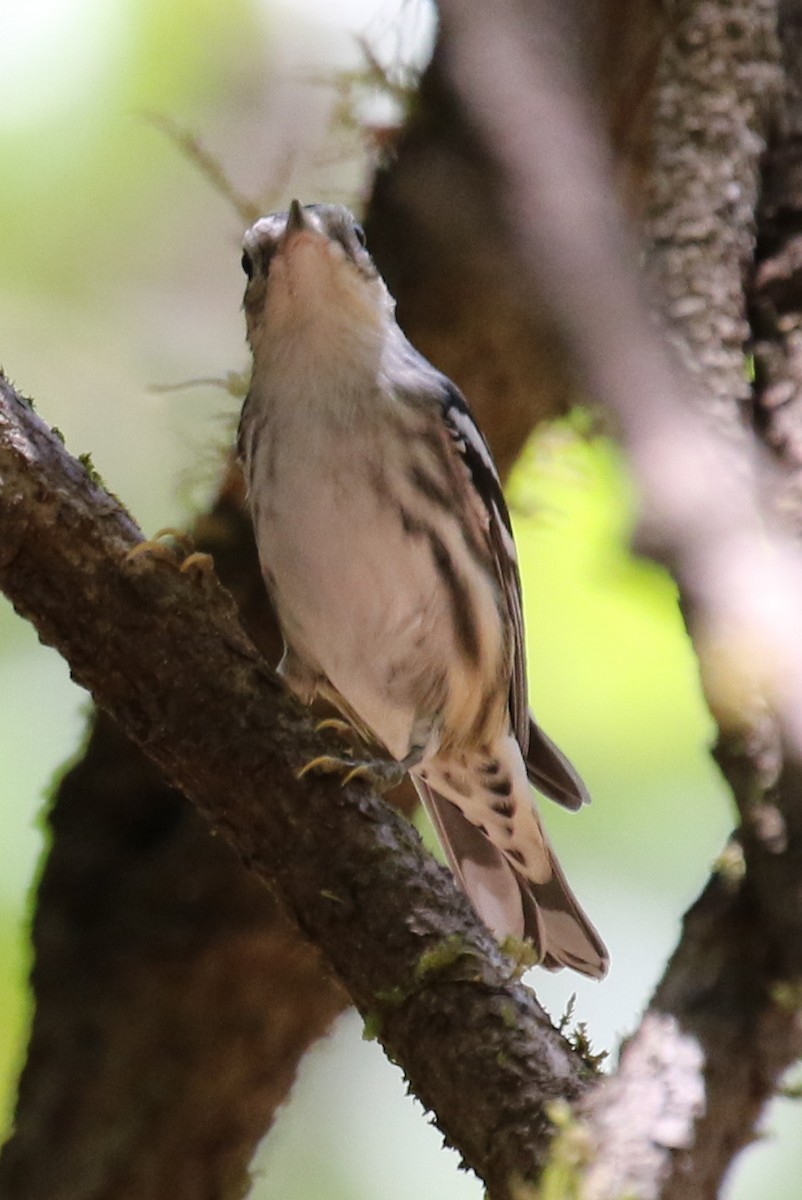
(296, 223)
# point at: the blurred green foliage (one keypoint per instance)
(119, 269)
(75, 183)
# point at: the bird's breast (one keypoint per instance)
(372, 590)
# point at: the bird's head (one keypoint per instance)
(311, 280)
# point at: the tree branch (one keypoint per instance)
(716, 1035)
(180, 677)
(433, 228)
(775, 291)
(208, 951)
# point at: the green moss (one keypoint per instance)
(441, 956)
(394, 997)
(730, 865)
(578, 1039)
(787, 995)
(568, 1015)
(26, 400)
(94, 475)
(571, 1153)
(509, 1017)
(372, 1027)
(522, 953)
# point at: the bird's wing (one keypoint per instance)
(551, 772)
(474, 453)
(548, 768)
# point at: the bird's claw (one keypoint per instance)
(154, 546)
(180, 550)
(378, 774)
(360, 771)
(198, 561)
(344, 730)
(336, 724)
(327, 764)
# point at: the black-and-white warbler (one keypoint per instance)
(386, 546)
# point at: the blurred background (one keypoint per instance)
(119, 272)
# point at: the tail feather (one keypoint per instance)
(481, 870)
(509, 904)
(571, 939)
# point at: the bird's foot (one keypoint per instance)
(156, 546)
(178, 550)
(380, 774)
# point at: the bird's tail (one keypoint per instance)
(508, 902)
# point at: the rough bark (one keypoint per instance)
(715, 95)
(717, 1035)
(163, 653)
(776, 287)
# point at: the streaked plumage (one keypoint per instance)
(386, 545)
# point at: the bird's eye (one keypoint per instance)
(247, 264)
(359, 234)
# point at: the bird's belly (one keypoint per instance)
(358, 598)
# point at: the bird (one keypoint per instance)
(386, 546)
